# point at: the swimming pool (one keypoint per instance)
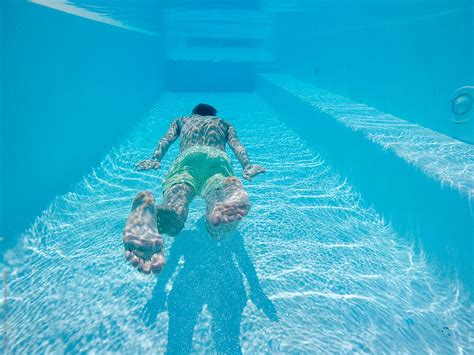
(325, 262)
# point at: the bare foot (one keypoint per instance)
(235, 206)
(229, 211)
(141, 240)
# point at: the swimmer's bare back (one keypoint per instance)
(197, 130)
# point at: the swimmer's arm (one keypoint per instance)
(237, 147)
(250, 170)
(168, 139)
(161, 148)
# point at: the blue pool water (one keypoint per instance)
(359, 239)
(339, 277)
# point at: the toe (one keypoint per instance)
(140, 265)
(157, 263)
(147, 267)
(135, 260)
(235, 217)
(243, 212)
(215, 217)
(144, 266)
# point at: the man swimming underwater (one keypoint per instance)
(201, 168)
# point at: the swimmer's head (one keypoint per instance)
(204, 110)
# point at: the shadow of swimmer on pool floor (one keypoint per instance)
(209, 277)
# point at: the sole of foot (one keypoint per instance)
(228, 212)
(142, 242)
(225, 217)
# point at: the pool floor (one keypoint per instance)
(338, 276)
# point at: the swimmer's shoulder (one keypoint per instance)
(182, 120)
(224, 123)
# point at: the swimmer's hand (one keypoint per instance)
(148, 165)
(252, 170)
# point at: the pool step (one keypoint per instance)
(220, 54)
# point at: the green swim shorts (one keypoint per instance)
(204, 168)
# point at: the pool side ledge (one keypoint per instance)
(419, 180)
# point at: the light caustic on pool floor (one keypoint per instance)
(340, 279)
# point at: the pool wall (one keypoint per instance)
(431, 214)
(406, 58)
(74, 88)
(209, 76)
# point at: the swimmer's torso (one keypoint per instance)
(199, 130)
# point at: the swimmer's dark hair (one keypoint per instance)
(204, 110)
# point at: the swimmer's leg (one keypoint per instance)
(141, 240)
(226, 205)
(172, 213)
